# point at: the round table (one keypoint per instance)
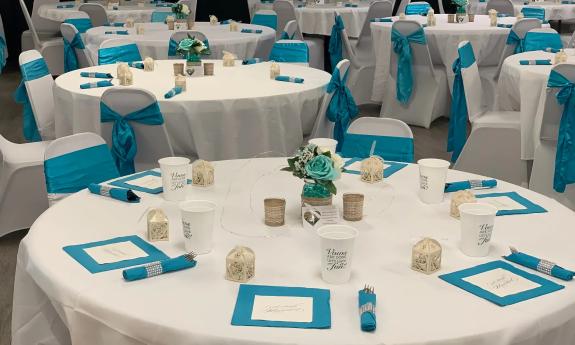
(195, 306)
(553, 10)
(237, 113)
(155, 40)
(138, 13)
(488, 44)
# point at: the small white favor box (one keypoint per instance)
(426, 256)
(158, 226)
(317, 216)
(240, 264)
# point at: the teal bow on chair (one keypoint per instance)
(342, 108)
(565, 156)
(124, 144)
(2, 53)
(70, 58)
(81, 24)
(402, 47)
(513, 39)
(335, 44)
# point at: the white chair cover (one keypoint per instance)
(97, 14)
(180, 35)
(380, 126)
(42, 24)
(501, 6)
(291, 30)
(113, 42)
(377, 9)
(192, 5)
(41, 97)
(68, 32)
(285, 11)
(520, 27)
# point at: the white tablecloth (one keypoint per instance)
(195, 306)
(238, 113)
(154, 42)
(140, 14)
(553, 10)
(522, 88)
(488, 43)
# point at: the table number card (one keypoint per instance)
(283, 308)
(501, 282)
(146, 181)
(115, 252)
(504, 203)
(510, 203)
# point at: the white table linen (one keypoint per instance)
(155, 40)
(553, 10)
(488, 44)
(196, 305)
(237, 113)
(138, 13)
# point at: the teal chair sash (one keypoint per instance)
(542, 41)
(513, 39)
(417, 8)
(534, 12)
(342, 108)
(125, 53)
(70, 58)
(402, 47)
(335, 42)
(160, 16)
(396, 149)
(290, 51)
(269, 20)
(81, 24)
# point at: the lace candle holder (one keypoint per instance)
(141, 3)
(178, 69)
(158, 226)
(170, 20)
(426, 256)
(122, 68)
(240, 264)
(140, 29)
(458, 198)
(353, 207)
(492, 17)
(520, 16)
(202, 173)
(560, 57)
(402, 16)
(129, 22)
(229, 59)
(451, 18)
(180, 81)
(214, 20)
(275, 70)
(234, 26)
(275, 210)
(149, 64)
(430, 17)
(372, 169)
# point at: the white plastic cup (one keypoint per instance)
(174, 177)
(198, 225)
(325, 144)
(432, 176)
(477, 220)
(337, 243)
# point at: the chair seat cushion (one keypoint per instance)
(498, 119)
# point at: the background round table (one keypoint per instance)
(155, 40)
(140, 14)
(237, 113)
(195, 306)
(443, 39)
(553, 10)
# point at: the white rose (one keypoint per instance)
(200, 47)
(185, 9)
(338, 162)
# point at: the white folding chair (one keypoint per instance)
(501, 6)
(47, 29)
(267, 18)
(69, 31)
(285, 11)
(495, 135)
(153, 141)
(377, 9)
(40, 95)
(97, 14)
(429, 97)
(52, 49)
(22, 190)
(404, 3)
(71, 163)
(546, 130)
(192, 5)
(180, 35)
(315, 46)
(520, 27)
(108, 55)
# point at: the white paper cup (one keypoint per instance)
(325, 144)
(337, 243)
(432, 176)
(174, 177)
(477, 221)
(198, 225)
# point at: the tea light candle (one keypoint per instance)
(127, 78)
(130, 22)
(274, 70)
(180, 81)
(458, 198)
(148, 64)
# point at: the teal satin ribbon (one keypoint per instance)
(70, 58)
(335, 42)
(173, 47)
(297, 52)
(125, 53)
(269, 20)
(342, 108)
(513, 39)
(2, 53)
(81, 24)
(402, 47)
(286, 36)
(534, 12)
(124, 143)
(160, 16)
(74, 171)
(417, 9)
(565, 156)
(534, 41)
(30, 71)
(396, 149)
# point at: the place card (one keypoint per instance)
(501, 282)
(504, 203)
(510, 203)
(115, 252)
(148, 182)
(283, 308)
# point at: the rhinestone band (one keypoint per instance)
(154, 269)
(545, 266)
(476, 184)
(367, 308)
(105, 190)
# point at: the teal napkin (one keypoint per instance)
(350, 5)
(367, 314)
(474, 184)
(289, 79)
(535, 62)
(160, 267)
(119, 32)
(175, 91)
(505, 26)
(382, 20)
(540, 265)
(103, 83)
(114, 193)
(552, 50)
(117, 24)
(251, 61)
(96, 75)
(252, 31)
(138, 65)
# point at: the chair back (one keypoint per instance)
(520, 27)
(402, 5)
(69, 33)
(377, 9)
(290, 31)
(390, 139)
(536, 12)
(266, 18)
(118, 50)
(71, 163)
(419, 52)
(152, 140)
(80, 20)
(160, 16)
(31, 26)
(285, 12)
(291, 51)
(471, 80)
(38, 83)
(96, 12)
(542, 39)
(42, 24)
(192, 5)
(417, 7)
(571, 43)
(180, 35)
(501, 6)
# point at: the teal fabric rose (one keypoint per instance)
(186, 44)
(321, 168)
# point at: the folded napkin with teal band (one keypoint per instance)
(252, 61)
(528, 206)
(505, 26)
(289, 79)
(552, 50)
(382, 20)
(350, 5)
(175, 91)
(115, 193)
(367, 302)
(138, 65)
(117, 24)
(540, 265)
(160, 267)
(471, 184)
(96, 75)
(227, 21)
(163, 5)
(252, 31)
(119, 32)
(535, 62)
(103, 83)
(65, 6)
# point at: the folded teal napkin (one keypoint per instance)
(382, 20)
(565, 2)
(367, 302)
(65, 6)
(117, 24)
(252, 61)
(471, 184)
(552, 50)
(535, 62)
(160, 267)
(502, 15)
(114, 193)
(350, 5)
(227, 21)
(103, 83)
(138, 65)
(289, 79)
(119, 32)
(540, 265)
(96, 75)
(505, 26)
(175, 91)
(252, 31)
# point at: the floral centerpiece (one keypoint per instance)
(181, 11)
(461, 7)
(318, 169)
(192, 49)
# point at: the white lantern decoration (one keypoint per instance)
(458, 198)
(560, 57)
(426, 256)
(492, 17)
(229, 59)
(240, 264)
(130, 22)
(158, 226)
(402, 16)
(234, 26)
(148, 64)
(214, 20)
(202, 173)
(372, 169)
(140, 29)
(274, 70)
(126, 78)
(431, 17)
